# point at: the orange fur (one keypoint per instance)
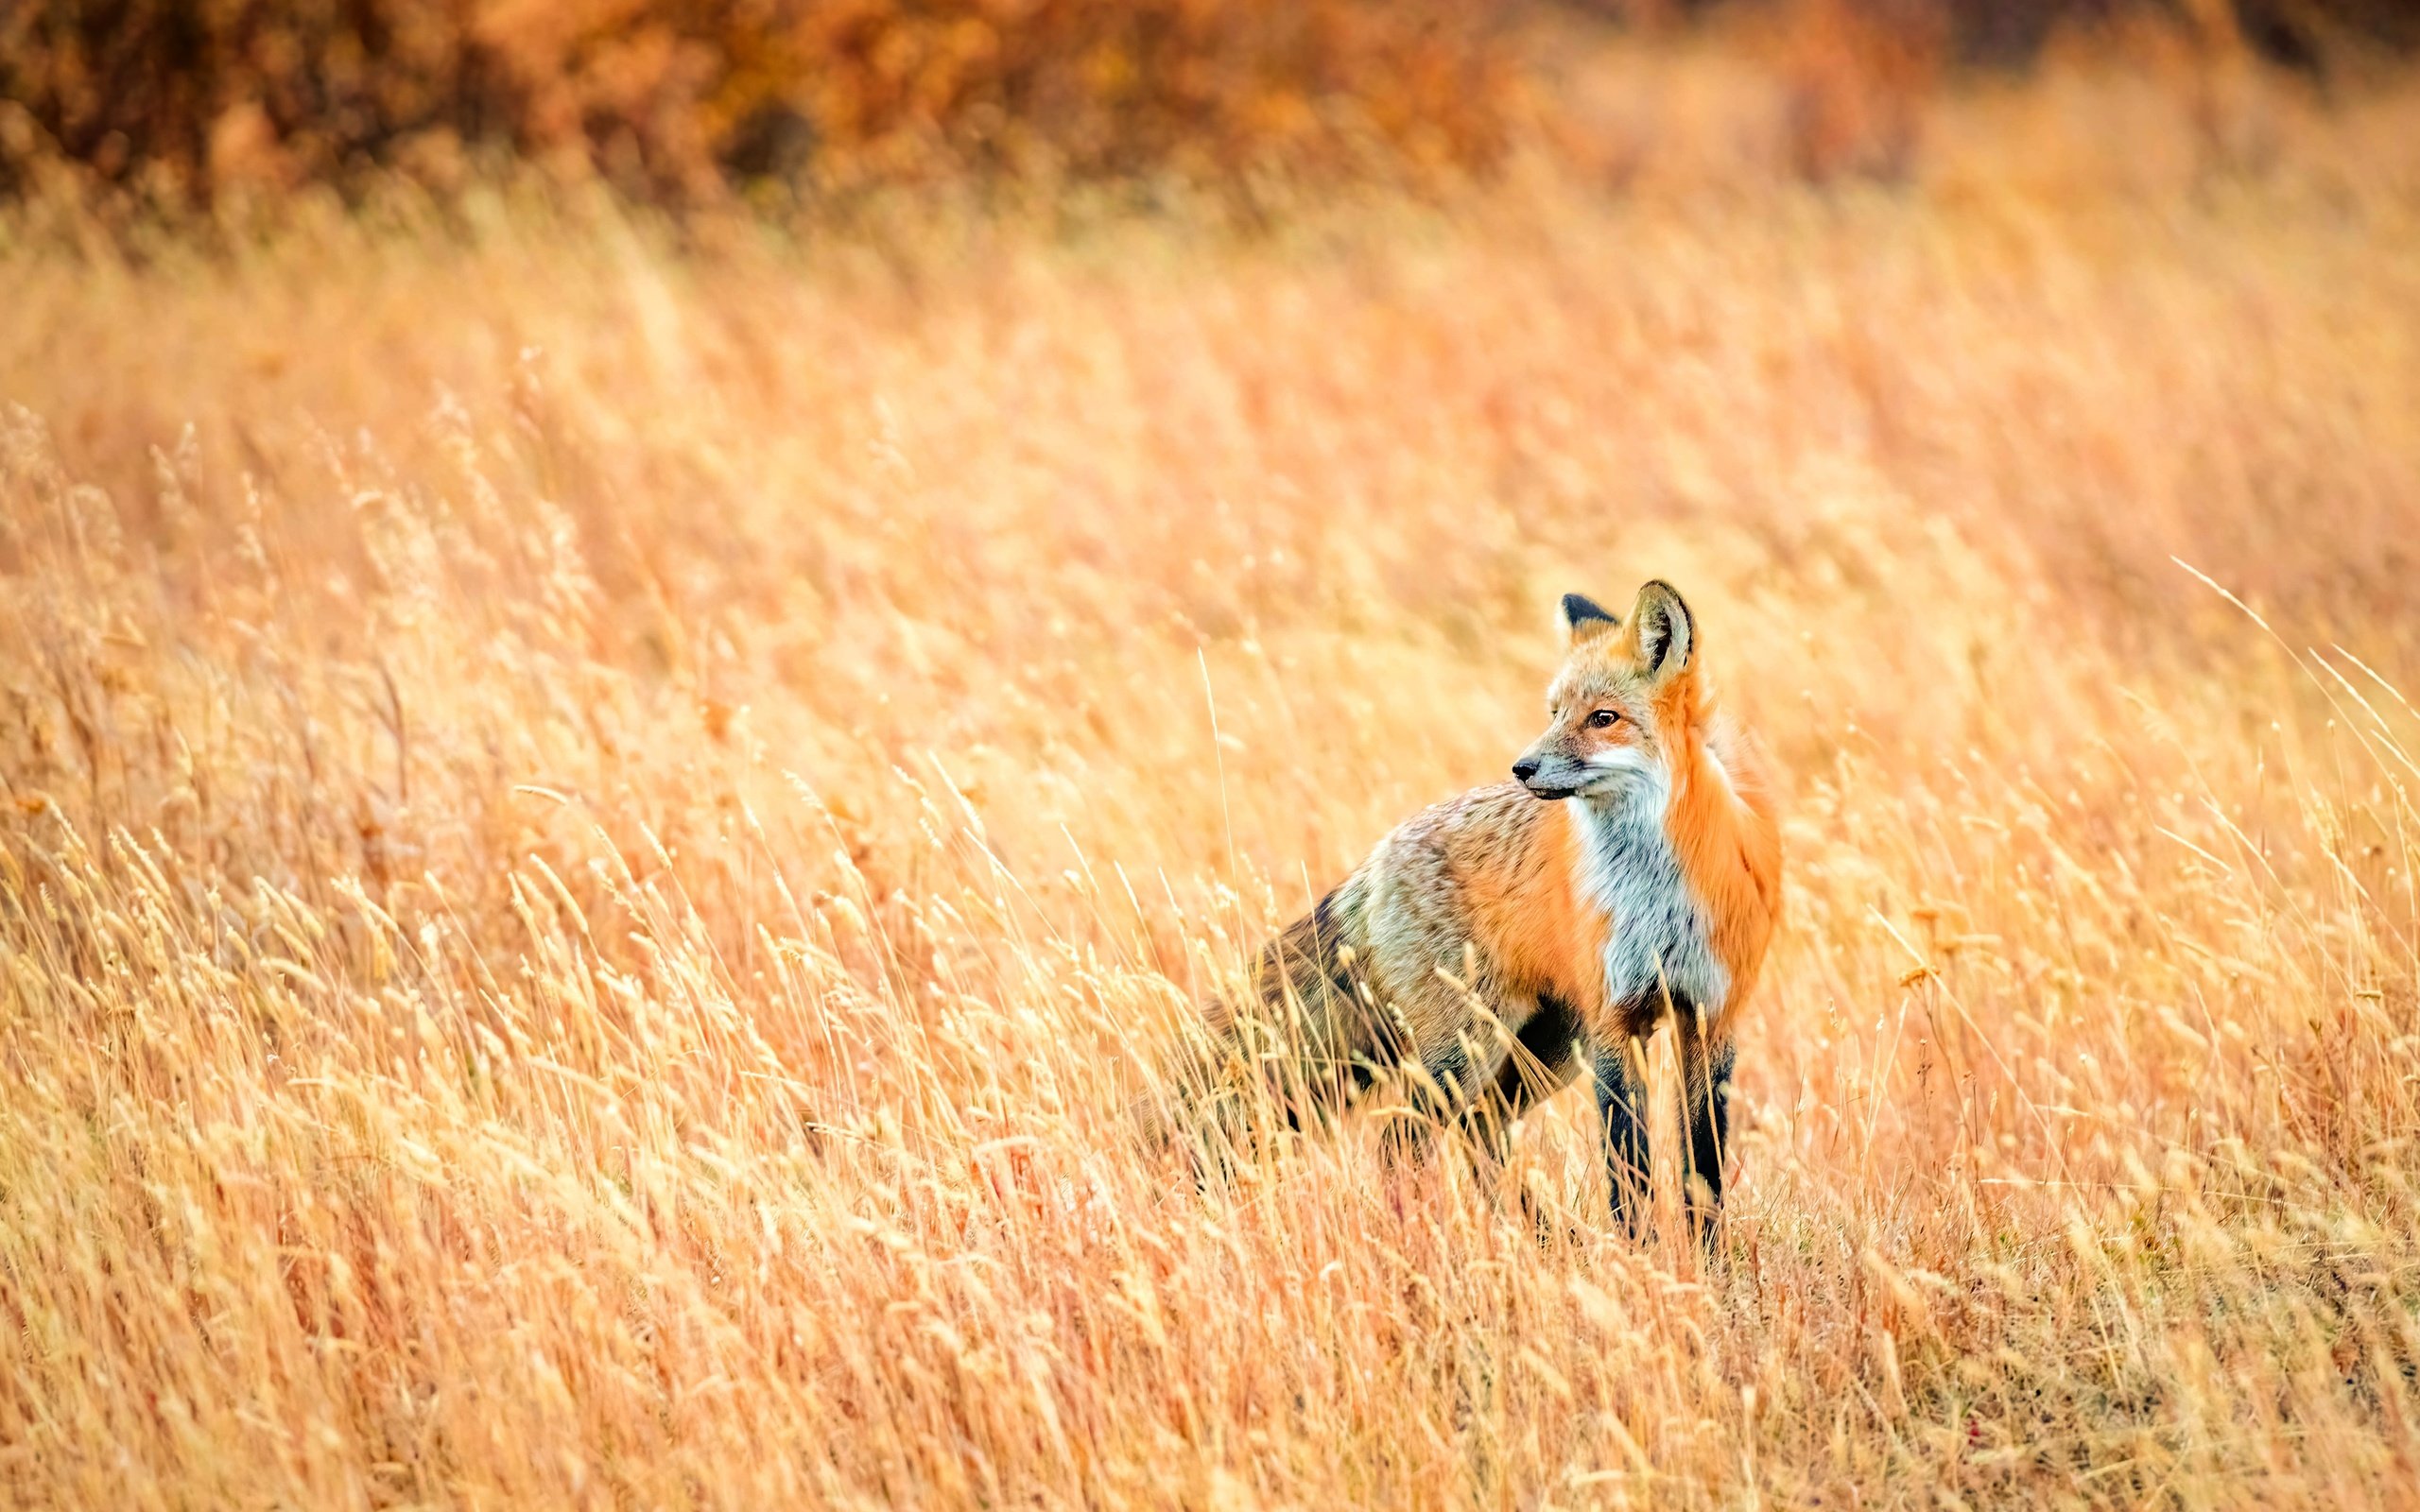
(1726, 831)
(1545, 937)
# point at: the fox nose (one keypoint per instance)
(1525, 768)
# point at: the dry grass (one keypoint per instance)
(590, 860)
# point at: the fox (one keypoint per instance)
(1494, 947)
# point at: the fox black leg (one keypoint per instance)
(1620, 1105)
(1708, 1078)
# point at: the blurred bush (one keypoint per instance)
(678, 99)
(2309, 35)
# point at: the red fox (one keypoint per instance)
(1494, 945)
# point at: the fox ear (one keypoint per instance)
(1579, 617)
(1666, 632)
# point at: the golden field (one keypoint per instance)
(601, 827)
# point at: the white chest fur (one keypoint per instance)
(1657, 939)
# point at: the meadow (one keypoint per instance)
(604, 820)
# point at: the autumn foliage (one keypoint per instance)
(682, 98)
(686, 102)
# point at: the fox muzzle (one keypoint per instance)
(1551, 775)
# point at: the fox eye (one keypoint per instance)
(1602, 719)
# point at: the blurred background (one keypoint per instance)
(695, 103)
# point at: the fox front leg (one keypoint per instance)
(1620, 1104)
(1707, 1076)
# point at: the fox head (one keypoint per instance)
(1625, 694)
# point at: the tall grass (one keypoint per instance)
(594, 843)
